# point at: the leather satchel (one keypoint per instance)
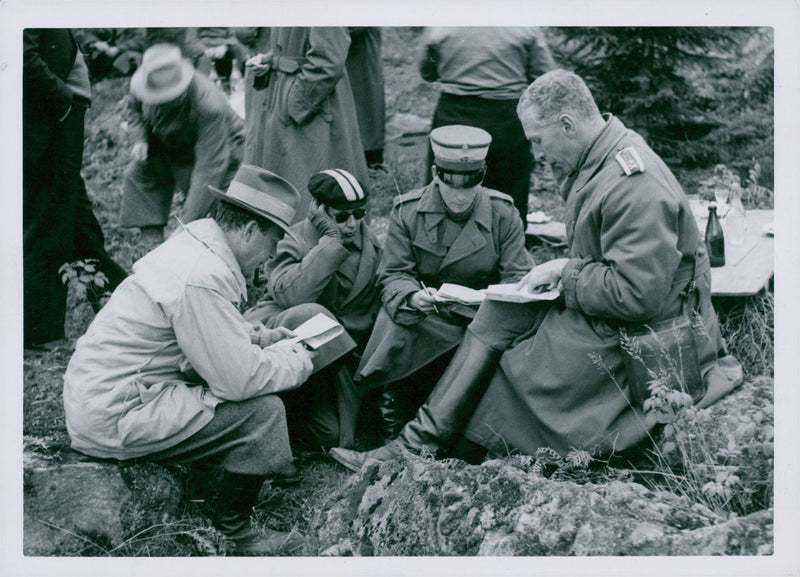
(664, 351)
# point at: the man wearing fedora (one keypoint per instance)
(186, 135)
(170, 371)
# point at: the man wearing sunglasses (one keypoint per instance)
(451, 231)
(333, 261)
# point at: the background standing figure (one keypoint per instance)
(365, 69)
(482, 72)
(307, 122)
(453, 230)
(57, 219)
(186, 135)
(112, 51)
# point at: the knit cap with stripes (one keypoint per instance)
(338, 189)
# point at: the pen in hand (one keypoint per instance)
(422, 284)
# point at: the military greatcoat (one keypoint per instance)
(424, 245)
(632, 239)
(308, 120)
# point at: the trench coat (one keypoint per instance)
(488, 249)
(365, 69)
(167, 348)
(631, 241)
(307, 122)
(202, 147)
(310, 269)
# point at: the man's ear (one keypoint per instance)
(249, 229)
(567, 124)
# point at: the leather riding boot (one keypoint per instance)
(392, 411)
(453, 399)
(445, 413)
(238, 494)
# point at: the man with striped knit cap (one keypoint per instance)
(333, 261)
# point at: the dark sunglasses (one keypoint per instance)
(461, 179)
(341, 217)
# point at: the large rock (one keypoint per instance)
(417, 506)
(75, 506)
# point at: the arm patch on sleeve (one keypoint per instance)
(630, 161)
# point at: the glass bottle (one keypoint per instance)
(735, 217)
(715, 240)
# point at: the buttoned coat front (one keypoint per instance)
(631, 242)
(306, 269)
(307, 122)
(488, 249)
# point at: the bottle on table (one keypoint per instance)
(735, 218)
(715, 240)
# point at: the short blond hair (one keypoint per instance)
(556, 92)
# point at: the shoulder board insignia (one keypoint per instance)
(630, 161)
(500, 196)
(403, 198)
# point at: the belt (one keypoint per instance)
(286, 64)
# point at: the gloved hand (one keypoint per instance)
(322, 221)
(139, 151)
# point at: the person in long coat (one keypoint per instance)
(308, 121)
(58, 224)
(555, 371)
(331, 259)
(457, 233)
(365, 69)
(185, 136)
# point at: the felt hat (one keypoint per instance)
(460, 148)
(263, 193)
(163, 75)
(338, 189)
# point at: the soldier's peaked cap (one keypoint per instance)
(460, 148)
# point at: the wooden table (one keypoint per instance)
(749, 265)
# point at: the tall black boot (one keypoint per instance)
(445, 413)
(392, 411)
(238, 494)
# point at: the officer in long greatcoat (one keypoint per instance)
(451, 231)
(555, 372)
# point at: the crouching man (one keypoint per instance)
(170, 371)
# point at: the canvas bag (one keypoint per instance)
(665, 349)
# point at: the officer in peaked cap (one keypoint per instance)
(451, 231)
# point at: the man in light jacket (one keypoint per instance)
(170, 371)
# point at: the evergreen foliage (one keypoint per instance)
(700, 96)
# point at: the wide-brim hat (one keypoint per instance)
(263, 193)
(338, 189)
(163, 76)
(460, 148)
